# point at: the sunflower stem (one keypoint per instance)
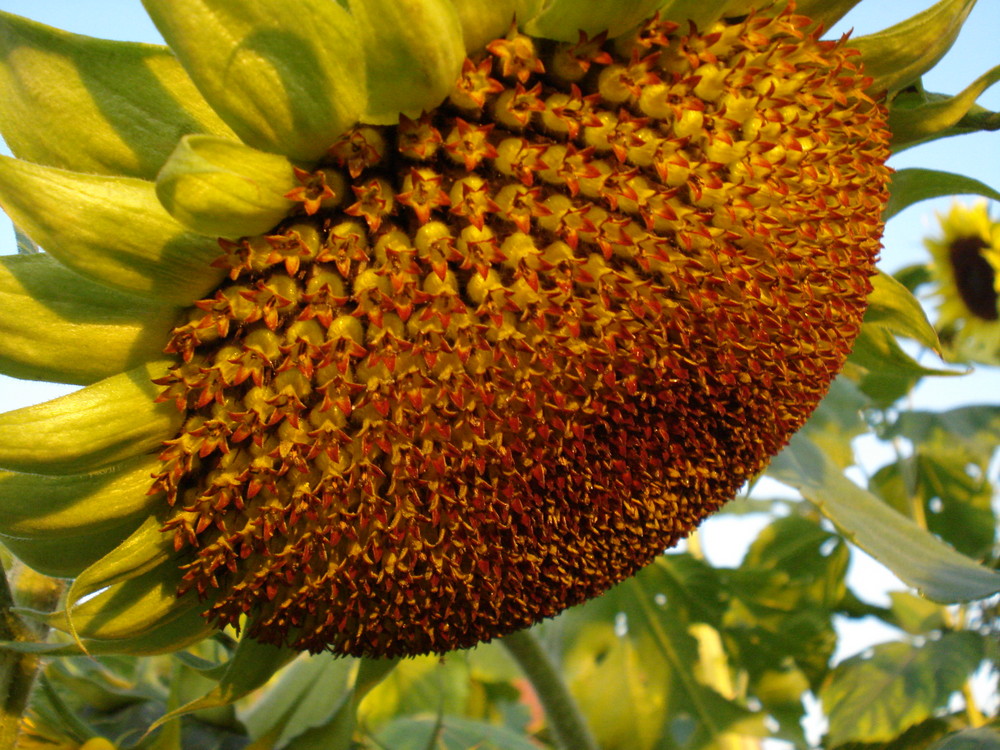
(569, 728)
(17, 671)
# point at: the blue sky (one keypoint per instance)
(976, 155)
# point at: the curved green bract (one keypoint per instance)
(67, 557)
(223, 188)
(91, 105)
(62, 327)
(563, 20)
(127, 609)
(113, 419)
(414, 50)
(935, 116)
(146, 549)
(899, 55)
(287, 77)
(41, 505)
(484, 20)
(702, 13)
(111, 229)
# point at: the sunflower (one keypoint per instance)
(403, 326)
(965, 268)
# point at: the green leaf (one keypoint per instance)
(414, 50)
(305, 695)
(451, 733)
(288, 78)
(739, 722)
(812, 563)
(892, 306)
(653, 661)
(188, 683)
(425, 684)
(634, 713)
(91, 105)
(916, 556)
(912, 125)
(113, 419)
(957, 506)
(253, 664)
(658, 658)
(111, 229)
(62, 327)
(888, 372)
(913, 185)
(783, 597)
(337, 733)
(980, 738)
(899, 55)
(975, 428)
(314, 701)
(838, 419)
(915, 614)
(222, 188)
(876, 698)
(913, 276)
(692, 587)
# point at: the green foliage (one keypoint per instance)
(913, 185)
(876, 698)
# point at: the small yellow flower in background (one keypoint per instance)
(966, 270)
(426, 327)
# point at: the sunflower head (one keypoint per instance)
(441, 337)
(965, 265)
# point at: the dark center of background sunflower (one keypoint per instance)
(975, 278)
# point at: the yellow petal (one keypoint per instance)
(127, 609)
(112, 229)
(222, 188)
(414, 51)
(565, 19)
(63, 506)
(92, 105)
(287, 77)
(485, 20)
(66, 558)
(62, 327)
(113, 419)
